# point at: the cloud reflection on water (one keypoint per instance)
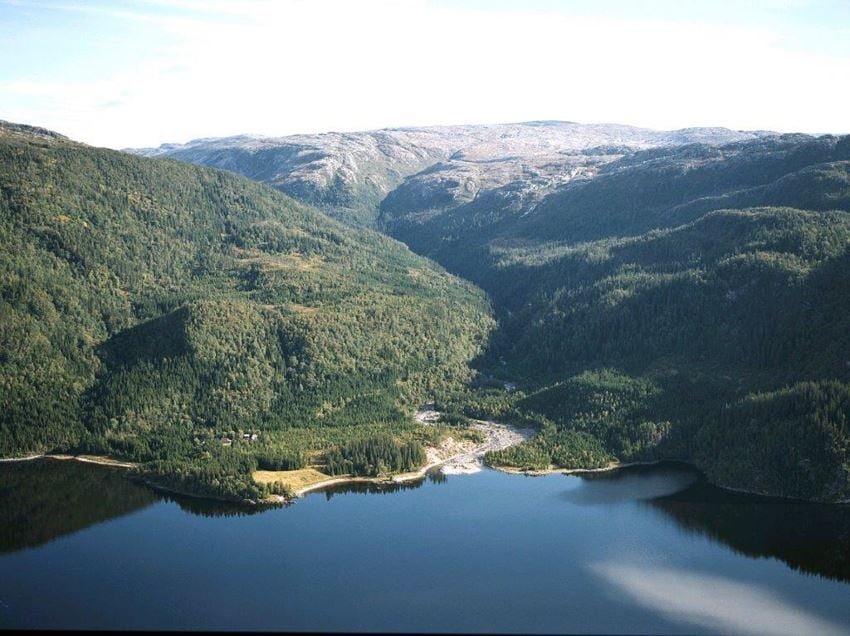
(713, 602)
(631, 484)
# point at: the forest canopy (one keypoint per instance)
(199, 323)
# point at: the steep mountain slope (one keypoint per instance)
(660, 295)
(642, 190)
(151, 309)
(691, 336)
(646, 213)
(714, 335)
(348, 175)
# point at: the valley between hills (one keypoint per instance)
(238, 316)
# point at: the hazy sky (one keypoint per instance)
(143, 72)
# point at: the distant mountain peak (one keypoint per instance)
(348, 174)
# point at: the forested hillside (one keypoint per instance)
(660, 295)
(194, 321)
(684, 295)
(642, 311)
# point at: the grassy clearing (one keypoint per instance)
(293, 480)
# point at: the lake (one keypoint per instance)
(646, 549)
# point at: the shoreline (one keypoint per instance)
(336, 481)
(618, 466)
(553, 470)
(9, 460)
(184, 493)
(744, 491)
(475, 455)
(391, 479)
(100, 460)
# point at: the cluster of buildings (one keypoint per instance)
(246, 437)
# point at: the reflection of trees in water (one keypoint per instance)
(436, 476)
(631, 483)
(41, 500)
(654, 469)
(383, 488)
(810, 537)
(214, 508)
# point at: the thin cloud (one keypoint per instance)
(169, 19)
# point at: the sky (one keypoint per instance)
(144, 72)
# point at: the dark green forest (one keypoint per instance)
(375, 456)
(688, 303)
(199, 323)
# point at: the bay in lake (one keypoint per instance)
(647, 549)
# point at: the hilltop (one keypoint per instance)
(348, 175)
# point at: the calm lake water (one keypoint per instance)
(650, 549)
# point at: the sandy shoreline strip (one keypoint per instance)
(88, 459)
(540, 472)
(10, 460)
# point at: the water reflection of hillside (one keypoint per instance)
(213, 508)
(633, 483)
(41, 500)
(382, 488)
(812, 538)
